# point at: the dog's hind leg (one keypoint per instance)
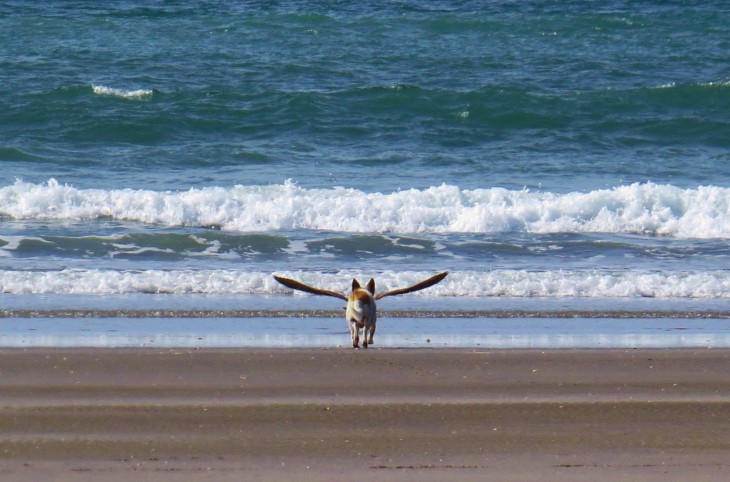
(355, 334)
(372, 333)
(367, 334)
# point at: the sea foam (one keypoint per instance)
(124, 94)
(492, 283)
(703, 212)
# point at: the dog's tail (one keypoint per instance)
(358, 306)
(361, 308)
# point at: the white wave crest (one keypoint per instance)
(496, 283)
(124, 94)
(648, 208)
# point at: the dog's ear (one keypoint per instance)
(355, 284)
(371, 286)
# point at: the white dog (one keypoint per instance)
(361, 313)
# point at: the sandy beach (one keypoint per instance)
(377, 414)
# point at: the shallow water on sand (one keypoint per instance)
(393, 332)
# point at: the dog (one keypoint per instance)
(361, 311)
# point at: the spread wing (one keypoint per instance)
(296, 285)
(418, 286)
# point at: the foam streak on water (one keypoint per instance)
(124, 94)
(497, 283)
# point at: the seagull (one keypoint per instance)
(361, 312)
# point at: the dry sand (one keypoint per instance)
(377, 414)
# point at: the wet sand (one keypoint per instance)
(376, 414)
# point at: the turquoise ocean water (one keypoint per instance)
(568, 155)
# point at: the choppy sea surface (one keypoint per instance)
(554, 157)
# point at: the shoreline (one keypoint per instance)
(405, 313)
(410, 414)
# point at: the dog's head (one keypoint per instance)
(370, 286)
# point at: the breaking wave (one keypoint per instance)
(648, 208)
